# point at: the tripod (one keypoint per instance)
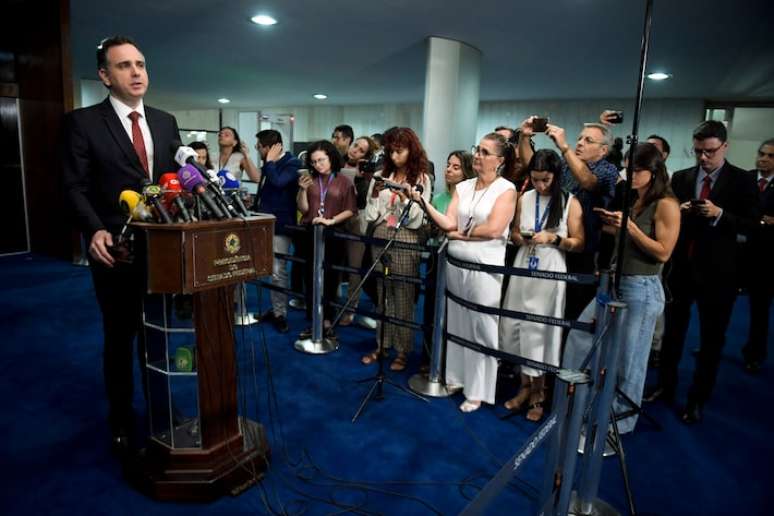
(377, 389)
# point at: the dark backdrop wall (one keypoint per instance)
(36, 66)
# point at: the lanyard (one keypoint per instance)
(323, 193)
(538, 220)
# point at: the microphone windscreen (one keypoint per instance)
(190, 178)
(227, 180)
(132, 204)
(183, 154)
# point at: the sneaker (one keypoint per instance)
(306, 334)
(366, 322)
(297, 303)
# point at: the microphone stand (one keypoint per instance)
(377, 389)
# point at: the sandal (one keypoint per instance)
(399, 364)
(535, 412)
(370, 358)
(514, 404)
(470, 405)
(536, 399)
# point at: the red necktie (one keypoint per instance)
(762, 184)
(706, 187)
(137, 140)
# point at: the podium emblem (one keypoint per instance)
(232, 243)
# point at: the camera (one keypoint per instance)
(615, 117)
(366, 167)
(539, 125)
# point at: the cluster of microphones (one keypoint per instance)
(190, 194)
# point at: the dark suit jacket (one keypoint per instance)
(762, 238)
(714, 256)
(99, 162)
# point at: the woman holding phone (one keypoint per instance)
(653, 227)
(327, 198)
(548, 224)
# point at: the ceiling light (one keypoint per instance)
(224, 101)
(263, 19)
(320, 96)
(659, 76)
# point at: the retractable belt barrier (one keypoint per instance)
(580, 279)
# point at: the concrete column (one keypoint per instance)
(451, 101)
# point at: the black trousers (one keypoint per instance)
(119, 293)
(714, 301)
(761, 293)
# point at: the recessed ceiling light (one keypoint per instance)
(224, 101)
(659, 76)
(320, 96)
(263, 19)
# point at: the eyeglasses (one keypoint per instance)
(319, 160)
(478, 149)
(707, 152)
(589, 140)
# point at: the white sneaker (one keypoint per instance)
(366, 322)
(297, 304)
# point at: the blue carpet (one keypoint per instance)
(403, 456)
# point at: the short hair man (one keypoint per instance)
(717, 202)
(114, 146)
(342, 138)
(279, 173)
(591, 178)
(760, 285)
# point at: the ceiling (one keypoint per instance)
(361, 52)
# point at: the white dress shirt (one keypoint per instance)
(123, 111)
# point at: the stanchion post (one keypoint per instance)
(605, 378)
(317, 345)
(569, 402)
(431, 384)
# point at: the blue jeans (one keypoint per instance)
(644, 296)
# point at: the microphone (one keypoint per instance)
(173, 194)
(397, 186)
(187, 156)
(134, 205)
(152, 193)
(191, 179)
(230, 185)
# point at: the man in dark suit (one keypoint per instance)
(717, 202)
(760, 284)
(115, 146)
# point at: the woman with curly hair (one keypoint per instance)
(405, 163)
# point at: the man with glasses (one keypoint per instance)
(717, 202)
(760, 284)
(279, 186)
(591, 178)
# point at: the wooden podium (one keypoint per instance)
(205, 259)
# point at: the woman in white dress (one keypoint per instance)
(547, 224)
(477, 221)
(235, 156)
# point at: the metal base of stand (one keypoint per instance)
(609, 450)
(245, 319)
(376, 392)
(421, 384)
(596, 507)
(321, 347)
